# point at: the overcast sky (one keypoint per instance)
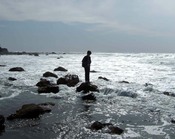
(81, 25)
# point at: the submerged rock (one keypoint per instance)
(69, 80)
(50, 74)
(86, 87)
(29, 111)
(12, 79)
(104, 78)
(19, 69)
(124, 82)
(60, 69)
(89, 97)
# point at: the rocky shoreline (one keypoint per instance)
(31, 111)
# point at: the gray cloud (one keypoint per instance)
(132, 17)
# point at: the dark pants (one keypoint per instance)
(87, 71)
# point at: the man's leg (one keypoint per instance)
(87, 71)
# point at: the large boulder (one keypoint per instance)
(50, 74)
(44, 86)
(86, 87)
(60, 69)
(19, 69)
(29, 111)
(69, 80)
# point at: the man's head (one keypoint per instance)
(88, 52)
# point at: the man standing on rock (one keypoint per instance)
(86, 62)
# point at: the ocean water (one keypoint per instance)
(140, 107)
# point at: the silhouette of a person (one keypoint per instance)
(86, 62)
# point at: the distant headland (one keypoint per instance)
(4, 51)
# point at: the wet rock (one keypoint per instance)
(48, 89)
(89, 97)
(12, 79)
(173, 121)
(104, 78)
(111, 128)
(19, 69)
(29, 111)
(43, 82)
(50, 74)
(86, 87)
(69, 80)
(2, 65)
(96, 126)
(62, 81)
(44, 86)
(169, 94)
(60, 69)
(2, 120)
(115, 130)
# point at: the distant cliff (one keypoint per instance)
(3, 50)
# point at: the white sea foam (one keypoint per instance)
(149, 75)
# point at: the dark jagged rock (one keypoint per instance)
(2, 65)
(124, 82)
(44, 86)
(29, 111)
(60, 69)
(111, 129)
(69, 80)
(12, 79)
(16, 69)
(89, 97)
(103, 78)
(50, 74)
(86, 87)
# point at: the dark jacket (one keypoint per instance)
(86, 61)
